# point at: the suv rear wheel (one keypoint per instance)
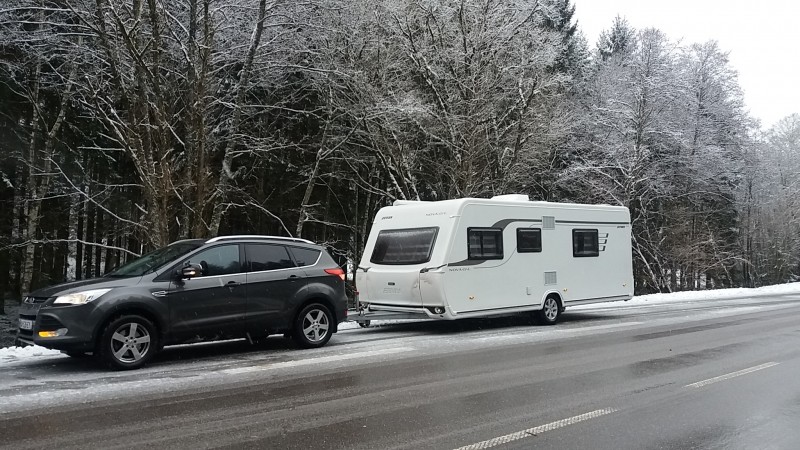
(313, 326)
(128, 342)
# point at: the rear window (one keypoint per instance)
(407, 246)
(305, 256)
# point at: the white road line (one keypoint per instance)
(731, 375)
(314, 361)
(537, 430)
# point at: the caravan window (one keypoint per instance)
(585, 243)
(529, 240)
(485, 243)
(407, 246)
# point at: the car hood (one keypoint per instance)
(83, 285)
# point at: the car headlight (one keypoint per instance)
(80, 298)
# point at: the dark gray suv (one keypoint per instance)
(192, 290)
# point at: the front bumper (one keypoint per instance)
(77, 337)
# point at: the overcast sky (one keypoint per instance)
(763, 39)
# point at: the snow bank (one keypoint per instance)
(717, 294)
(9, 355)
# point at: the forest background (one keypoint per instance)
(128, 124)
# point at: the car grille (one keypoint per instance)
(48, 323)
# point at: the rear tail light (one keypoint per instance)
(337, 272)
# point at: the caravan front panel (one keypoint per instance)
(392, 276)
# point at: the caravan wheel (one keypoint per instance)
(551, 310)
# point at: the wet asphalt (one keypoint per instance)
(610, 378)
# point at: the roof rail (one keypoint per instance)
(257, 236)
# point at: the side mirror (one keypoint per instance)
(189, 271)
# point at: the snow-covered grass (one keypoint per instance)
(11, 355)
(717, 294)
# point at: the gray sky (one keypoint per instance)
(763, 39)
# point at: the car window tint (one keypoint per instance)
(221, 260)
(267, 257)
(305, 256)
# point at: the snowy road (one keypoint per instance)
(694, 373)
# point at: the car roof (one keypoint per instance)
(256, 238)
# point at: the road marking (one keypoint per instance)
(321, 360)
(728, 376)
(500, 440)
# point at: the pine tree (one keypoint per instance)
(574, 53)
(619, 39)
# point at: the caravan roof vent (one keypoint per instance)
(407, 202)
(512, 198)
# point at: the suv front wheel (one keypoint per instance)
(128, 342)
(313, 326)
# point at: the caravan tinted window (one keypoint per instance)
(529, 240)
(585, 243)
(485, 243)
(408, 246)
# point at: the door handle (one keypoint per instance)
(233, 283)
(293, 277)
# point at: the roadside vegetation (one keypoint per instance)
(130, 124)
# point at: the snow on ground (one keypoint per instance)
(11, 355)
(717, 294)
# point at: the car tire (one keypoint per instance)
(313, 326)
(127, 342)
(551, 311)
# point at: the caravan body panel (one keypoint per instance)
(495, 256)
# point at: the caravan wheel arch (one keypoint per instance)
(558, 297)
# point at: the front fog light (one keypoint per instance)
(438, 310)
(48, 334)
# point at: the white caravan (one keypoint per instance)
(475, 257)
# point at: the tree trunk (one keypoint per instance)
(72, 237)
(18, 210)
(227, 174)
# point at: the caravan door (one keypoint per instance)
(392, 273)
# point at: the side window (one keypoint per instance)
(585, 243)
(267, 257)
(305, 256)
(221, 260)
(485, 243)
(529, 240)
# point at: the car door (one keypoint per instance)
(274, 283)
(213, 304)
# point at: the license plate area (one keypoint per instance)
(25, 324)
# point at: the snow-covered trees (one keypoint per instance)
(129, 124)
(770, 206)
(667, 135)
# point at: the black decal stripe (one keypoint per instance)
(582, 222)
(505, 222)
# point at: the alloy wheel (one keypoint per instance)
(130, 342)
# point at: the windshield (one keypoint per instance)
(154, 260)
